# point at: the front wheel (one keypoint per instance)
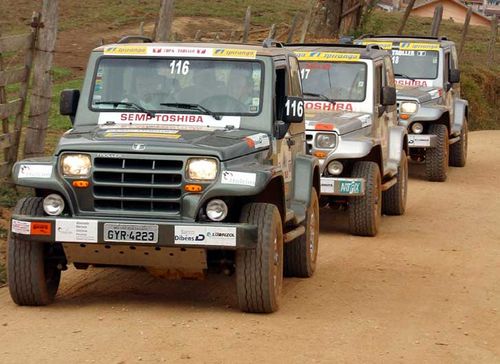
(436, 159)
(365, 212)
(259, 271)
(302, 253)
(394, 199)
(33, 276)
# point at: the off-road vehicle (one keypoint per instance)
(182, 157)
(429, 102)
(351, 126)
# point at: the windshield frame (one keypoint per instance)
(167, 110)
(333, 98)
(436, 77)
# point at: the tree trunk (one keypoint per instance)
(333, 10)
(41, 94)
(165, 21)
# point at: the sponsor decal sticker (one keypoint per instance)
(238, 178)
(205, 235)
(407, 82)
(179, 51)
(69, 230)
(418, 46)
(260, 140)
(328, 106)
(21, 227)
(127, 118)
(327, 56)
(142, 134)
(419, 140)
(366, 120)
(35, 171)
(41, 228)
(234, 53)
(126, 50)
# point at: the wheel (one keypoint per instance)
(458, 151)
(301, 254)
(394, 199)
(259, 271)
(33, 278)
(365, 211)
(436, 159)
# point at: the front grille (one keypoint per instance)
(145, 185)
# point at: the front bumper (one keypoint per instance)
(422, 140)
(86, 231)
(338, 186)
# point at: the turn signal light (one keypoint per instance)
(323, 126)
(320, 154)
(404, 116)
(80, 184)
(193, 188)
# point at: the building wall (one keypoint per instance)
(450, 10)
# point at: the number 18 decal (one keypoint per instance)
(294, 107)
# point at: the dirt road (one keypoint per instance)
(425, 290)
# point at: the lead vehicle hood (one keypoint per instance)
(339, 121)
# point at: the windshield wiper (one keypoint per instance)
(198, 107)
(130, 104)
(403, 75)
(321, 96)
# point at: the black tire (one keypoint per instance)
(458, 151)
(259, 272)
(436, 159)
(365, 212)
(394, 199)
(33, 279)
(302, 253)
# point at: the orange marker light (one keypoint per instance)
(193, 188)
(323, 126)
(41, 228)
(320, 154)
(404, 116)
(80, 184)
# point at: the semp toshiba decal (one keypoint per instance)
(128, 118)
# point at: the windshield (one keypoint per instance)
(336, 80)
(415, 64)
(184, 85)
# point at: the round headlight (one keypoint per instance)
(326, 141)
(53, 204)
(417, 128)
(408, 108)
(335, 168)
(76, 165)
(217, 210)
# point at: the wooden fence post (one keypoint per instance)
(493, 40)
(436, 20)
(165, 21)
(197, 36)
(307, 21)
(272, 32)
(292, 28)
(246, 25)
(41, 92)
(405, 17)
(464, 32)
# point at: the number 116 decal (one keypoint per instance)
(294, 107)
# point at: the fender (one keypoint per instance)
(397, 135)
(429, 113)
(303, 178)
(349, 149)
(460, 107)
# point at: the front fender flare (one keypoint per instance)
(460, 108)
(397, 135)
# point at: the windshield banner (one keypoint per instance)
(382, 44)
(165, 51)
(408, 46)
(128, 118)
(327, 56)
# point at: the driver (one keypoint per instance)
(147, 84)
(240, 86)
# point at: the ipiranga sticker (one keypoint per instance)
(238, 178)
(126, 118)
(80, 231)
(205, 235)
(34, 171)
(327, 56)
(419, 46)
(382, 44)
(21, 227)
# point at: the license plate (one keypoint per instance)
(131, 233)
(419, 140)
(350, 187)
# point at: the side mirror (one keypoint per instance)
(454, 76)
(388, 96)
(293, 110)
(69, 102)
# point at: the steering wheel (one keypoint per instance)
(220, 103)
